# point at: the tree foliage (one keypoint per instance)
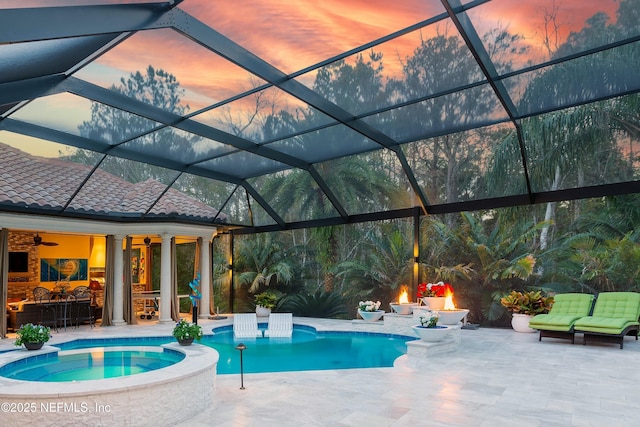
(584, 245)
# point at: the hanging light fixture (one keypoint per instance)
(147, 241)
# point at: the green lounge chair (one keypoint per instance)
(615, 315)
(565, 311)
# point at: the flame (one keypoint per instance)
(448, 300)
(404, 295)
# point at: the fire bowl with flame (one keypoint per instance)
(450, 315)
(403, 306)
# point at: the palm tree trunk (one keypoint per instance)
(329, 282)
(550, 212)
(329, 276)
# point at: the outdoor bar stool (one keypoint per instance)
(48, 312)
(65, 304)
(84, 309)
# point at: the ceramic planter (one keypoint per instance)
(33, 345)
(371, 316)
(434, 303)
(435, 334)
(262, 311)
(520, 322)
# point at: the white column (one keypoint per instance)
(118, 282)
(205, 279)
(165, 279)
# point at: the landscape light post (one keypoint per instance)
(241, 347)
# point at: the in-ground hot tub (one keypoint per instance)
(91, 363)
(160, 397)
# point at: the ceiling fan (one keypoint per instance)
(37, 241)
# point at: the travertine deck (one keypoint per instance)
(496, 377)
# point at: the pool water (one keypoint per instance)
(90, 364)
(306, 350)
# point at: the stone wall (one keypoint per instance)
(23, 242)
(21, 284)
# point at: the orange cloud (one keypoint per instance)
(293, 35)
(528, 18)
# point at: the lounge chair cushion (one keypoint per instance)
(566, 310)
(612, 313)
(604, 325)
(559, 322)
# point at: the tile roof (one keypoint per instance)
(28, 180)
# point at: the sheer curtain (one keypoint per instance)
(212, 306)
(107, 306)
(197, 270)
(196, 261)
(175, 308)
(4, 277)
(127, 292)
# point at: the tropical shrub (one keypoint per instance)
(531, 302)
(320, 304)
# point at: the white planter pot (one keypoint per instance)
(436, 334)
(434, 303)
(520, 322)
(262, 311)
(371, 316)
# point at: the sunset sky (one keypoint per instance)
(292, 35)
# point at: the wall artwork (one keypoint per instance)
(63, 269)
(138, 269)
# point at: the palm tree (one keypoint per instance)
(319, 305)
(490, 260)
(601, 252)
(260, 263)
(384, 264)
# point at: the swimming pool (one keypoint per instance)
(90, 364)
(189, 385)
(305, 350)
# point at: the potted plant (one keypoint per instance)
(429, 330)
(32, 336)
(370, 311)
(265, 301)
(433, 294)
(525, 305)
(186, 332)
